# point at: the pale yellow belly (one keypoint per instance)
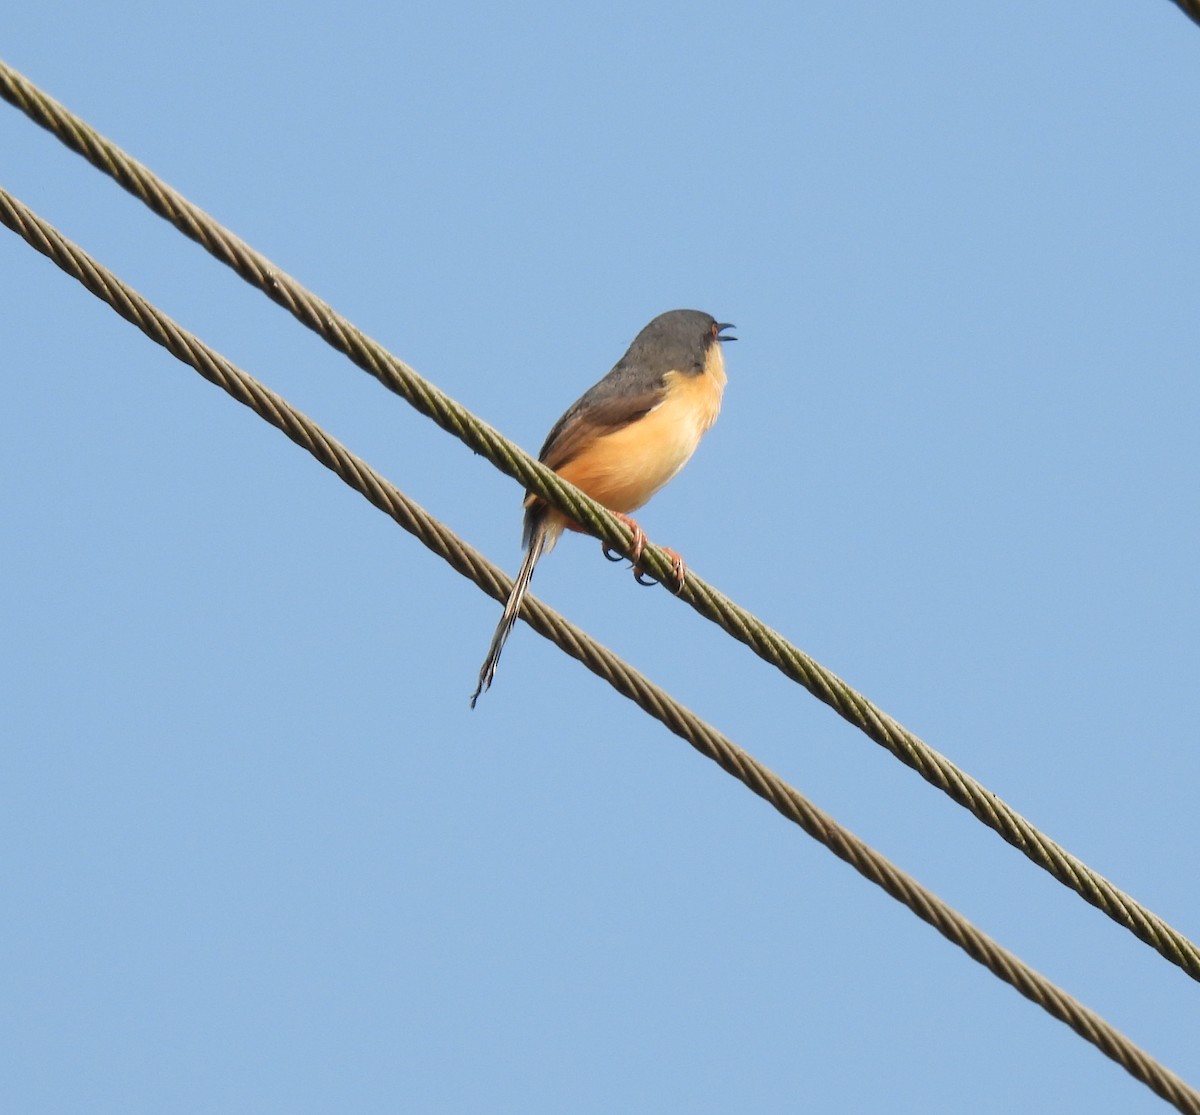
(622, 470)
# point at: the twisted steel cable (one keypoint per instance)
(619, 674)
(767, 643)
(1190, 8)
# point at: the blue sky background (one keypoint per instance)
(257, 853)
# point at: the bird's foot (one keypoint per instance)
(678, 569)
(638, 545)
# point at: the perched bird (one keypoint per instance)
(623, 439)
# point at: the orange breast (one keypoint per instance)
(622, 470)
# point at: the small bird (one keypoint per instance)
(623, 439)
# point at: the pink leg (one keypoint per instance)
(639, 541)
(678, 568)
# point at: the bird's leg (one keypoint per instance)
(678, 568)
(639, 542)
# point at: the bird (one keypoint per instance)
(622, 440)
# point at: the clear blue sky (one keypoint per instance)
(257, 853)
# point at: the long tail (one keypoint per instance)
(512, 608)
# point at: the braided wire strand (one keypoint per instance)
(1190, 8)
(623, 677)
(451, 416)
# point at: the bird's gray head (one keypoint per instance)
(678, 339)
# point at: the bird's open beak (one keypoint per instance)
(725, 325)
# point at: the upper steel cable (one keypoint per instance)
(1190, 8)
(511, 459)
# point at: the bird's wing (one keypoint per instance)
(589, 420)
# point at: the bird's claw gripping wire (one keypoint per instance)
(678, 570)
(635, 554)
(636, 547)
